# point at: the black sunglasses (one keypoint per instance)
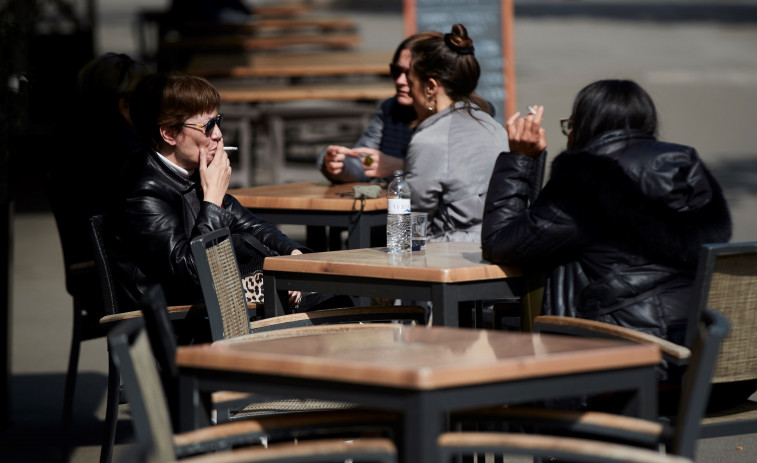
(208, 126)
(396, 70)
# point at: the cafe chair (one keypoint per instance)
(348, 422)
(109, 314)
(81, 283)
(727, 279)
(675, 443)
(727, 283)
(222, 290)
(223, 293)
(147, 403)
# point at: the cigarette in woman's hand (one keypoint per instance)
(531, 110)
(230, 148)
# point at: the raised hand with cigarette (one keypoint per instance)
(525, 134)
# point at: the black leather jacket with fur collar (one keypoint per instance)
(148, 235)
(617, 228)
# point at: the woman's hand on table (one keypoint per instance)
(294, 296)
(526, 135)
(215, 175)
(333, 161)
(377, 164)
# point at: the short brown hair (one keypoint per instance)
(170, 99)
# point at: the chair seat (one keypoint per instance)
(268, 407)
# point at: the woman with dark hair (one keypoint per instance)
(386, 137)
(618, 226)
(456, 142)
(175, 190)
(83, 169)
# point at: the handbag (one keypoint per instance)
(251, 254)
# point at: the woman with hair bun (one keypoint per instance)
(456, 142)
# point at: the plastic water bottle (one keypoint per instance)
(398, 214)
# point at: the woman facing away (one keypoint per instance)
(618, 226)
(452, 153)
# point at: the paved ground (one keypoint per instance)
(698, 59)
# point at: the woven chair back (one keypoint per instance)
(147, 401)
(221, 284)
(733, 293)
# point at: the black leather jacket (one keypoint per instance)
(148, 236)
(617, 228)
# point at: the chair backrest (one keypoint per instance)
(221, 284)
(695, 391)
(162, 338)
(727, 283)
(110, 301)
(147, 402)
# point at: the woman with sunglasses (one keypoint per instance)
(382, 146)
(618, 226)
(175, 190)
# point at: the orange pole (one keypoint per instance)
(508, 56)
(409, 13)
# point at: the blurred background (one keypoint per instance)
(697, 58)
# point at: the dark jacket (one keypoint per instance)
(149, 234)
(617, 229)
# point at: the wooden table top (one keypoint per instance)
(282, 41)
(438, 263)
(414, 357)
(330, 91)
(314, 196)
(258, 24)
(335, 63)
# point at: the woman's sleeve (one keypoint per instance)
(267, 233)
(161, 243)
(514, 232)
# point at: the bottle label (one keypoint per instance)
(398, 206)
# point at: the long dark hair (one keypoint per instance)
(106, 79)
(611, 105)
(407, 42)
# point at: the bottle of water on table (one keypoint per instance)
(398, 214)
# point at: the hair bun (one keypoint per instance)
(459, 41)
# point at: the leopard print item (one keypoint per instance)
(253, 287)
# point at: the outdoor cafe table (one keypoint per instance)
(444, 273)
(423, 373)
(316, 204)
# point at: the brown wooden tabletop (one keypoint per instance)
(334, 63)
(439, 262)
(321, 196)
(340, 91)
(421, 372)
(443, 273)
(241, 42)
(316, 205)
(415, 357)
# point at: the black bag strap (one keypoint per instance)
(256, 244)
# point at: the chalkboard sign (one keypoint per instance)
(489, 24)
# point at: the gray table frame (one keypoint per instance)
(425, 412)
(444, 296)
(360, 236)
